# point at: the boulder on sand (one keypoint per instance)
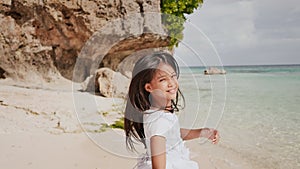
(108, 83)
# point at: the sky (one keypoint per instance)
(241, 32)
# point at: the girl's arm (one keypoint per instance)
(158, 152)
(212, 134)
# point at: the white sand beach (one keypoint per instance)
(39, 128)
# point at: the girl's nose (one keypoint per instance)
(171, 82)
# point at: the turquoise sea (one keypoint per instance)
(255, 108)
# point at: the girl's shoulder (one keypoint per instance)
(159, 114)
(152, 112)
(160, 123)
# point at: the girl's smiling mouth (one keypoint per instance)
(172, 91)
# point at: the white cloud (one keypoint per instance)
(247, 32)
(230, 23)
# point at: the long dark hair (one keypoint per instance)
(138, 98)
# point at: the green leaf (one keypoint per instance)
(174, 20)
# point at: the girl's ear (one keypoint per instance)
(148, 87)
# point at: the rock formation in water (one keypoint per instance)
(214, 71)
(41, 40)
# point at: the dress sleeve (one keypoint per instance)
(159, 126)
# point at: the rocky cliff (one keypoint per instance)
(45, 39)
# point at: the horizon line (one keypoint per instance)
(288, 64)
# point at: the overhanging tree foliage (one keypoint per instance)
(174, 18)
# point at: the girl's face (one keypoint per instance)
(164, 85)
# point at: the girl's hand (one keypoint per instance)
(211, 134)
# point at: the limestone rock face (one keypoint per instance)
(40, 41)
(43, 40)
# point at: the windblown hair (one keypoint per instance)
(138, 98)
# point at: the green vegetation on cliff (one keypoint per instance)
(174, 20)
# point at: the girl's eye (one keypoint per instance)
(174, 76)
(160, 80)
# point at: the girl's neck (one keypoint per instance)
(156, 102)
(169, 107)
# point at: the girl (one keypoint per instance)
(149, 118)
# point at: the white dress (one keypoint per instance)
(165, 124)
